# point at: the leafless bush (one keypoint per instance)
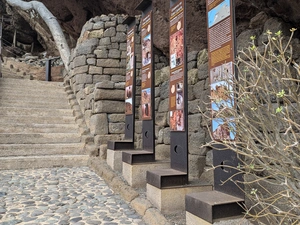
(266, 124)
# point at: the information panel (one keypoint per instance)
(221, 52)
(177, 72)
(146, 66)
(129, 73)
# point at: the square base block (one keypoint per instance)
(114, 159)
(191, 219)
(135, 174)
(172, 200)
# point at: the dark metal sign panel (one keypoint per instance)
(178, 87)
(130, 86)
(177, 65)
(147, 68)
(130, 72)
(221, 52)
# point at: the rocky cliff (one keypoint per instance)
(73, 15)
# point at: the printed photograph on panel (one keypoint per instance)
(221, 91)
(179, 96)
(219, 13)
(146, 110)
(146, 50)
(176, 48)
(128, 106)
(128, 92)
(179, 120)
(223, 130)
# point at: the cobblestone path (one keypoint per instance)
(61, 196)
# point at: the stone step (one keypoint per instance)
(37, 119)
(30, 162)
(31, 92)
(9, 150)
(35, 104)
(16, 111)
(38, 128)
(17, 82)
(39, 138)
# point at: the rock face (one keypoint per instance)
(73, 15)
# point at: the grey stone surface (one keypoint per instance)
(99, 124)
(61, 196)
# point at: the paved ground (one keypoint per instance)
(60, 196)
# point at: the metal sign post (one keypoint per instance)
(1, 57)
(178, 107)
(226, 198)
(130, 90)
(147, 154)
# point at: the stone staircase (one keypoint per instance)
(37, 126)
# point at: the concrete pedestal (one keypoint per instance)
(172, 200)
(135, 174)
(191, 219)
(114, 159)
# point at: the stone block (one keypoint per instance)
(114, 54)
(191, 95)
(84, 79)
(99, 124)
(164, 90)
(79, 61)
(120, 85)
(114, 71)
(164, 105)
(196, 166)
(95, 70)
(116, 128)
(99, 25)
(161, 119)
(192, 56)
(123, 46)
(114, 46)
(80, 70)
(110, 32)
(138, 127)
(118, 78)
(194, 122)
(140, 205)
(110, 24)
(203, 72)
(121, 28)
(109, 94)
(167, 136)
(108, 63)
(196, 140)
(135, 174)
(160, 136)
(172, 200)
(115, 118)
(114, 160)
(202, 57)
(87, 47)
(105, 41)
(101, 53)
(156, 102)
(162, 152)
(192, 65)
(154, 216)
(165, 74)
(96, 33)
(106, 84)
(192, 76)
(100, 78)
(121, 37)
(102, 139)
(107, 106)
(199, 88)
(103, 151)
(91, 61)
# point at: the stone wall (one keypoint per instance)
(97, 78)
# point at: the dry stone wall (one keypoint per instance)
(97, 78)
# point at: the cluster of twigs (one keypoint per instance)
(265, 120)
